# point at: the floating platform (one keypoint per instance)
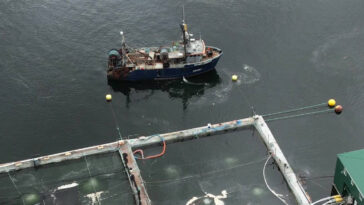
(126, 159)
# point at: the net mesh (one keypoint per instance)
(225, 168)
(95, 179)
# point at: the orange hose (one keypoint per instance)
(153, 156)
(139, 151)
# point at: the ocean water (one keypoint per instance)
(287, 54)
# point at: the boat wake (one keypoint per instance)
(217, 96)
(339, 52)
(246, 76)
(249, 75)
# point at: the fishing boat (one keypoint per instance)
(183, 58)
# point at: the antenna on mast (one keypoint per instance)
(183, 14)
(123, 49)
(184, 32)
(122, 38)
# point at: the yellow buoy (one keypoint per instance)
(108, 97)
(234, 77)
(331, 103)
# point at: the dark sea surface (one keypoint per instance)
(288, 54)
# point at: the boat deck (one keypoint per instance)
(144, 61)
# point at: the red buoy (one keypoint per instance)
(338, 109)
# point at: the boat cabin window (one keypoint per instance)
(194, 59)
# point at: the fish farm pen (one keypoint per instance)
(110, 174)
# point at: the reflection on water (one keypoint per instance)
(182, 88)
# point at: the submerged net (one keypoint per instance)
(95, 179)
(225, 170)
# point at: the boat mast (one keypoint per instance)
(123, 48)
(184, 31)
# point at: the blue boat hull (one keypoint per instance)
(171, 73)
(188, 70)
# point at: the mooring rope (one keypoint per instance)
(266, 183)
(324, 199)
(246, 99)
(115, 120)
(295, 110)
(317, 177)
(299, 115)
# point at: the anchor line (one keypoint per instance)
(115, 120)
(294, 110)
(247, 101)
(299, 115)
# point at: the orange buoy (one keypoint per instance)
(338, 109)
